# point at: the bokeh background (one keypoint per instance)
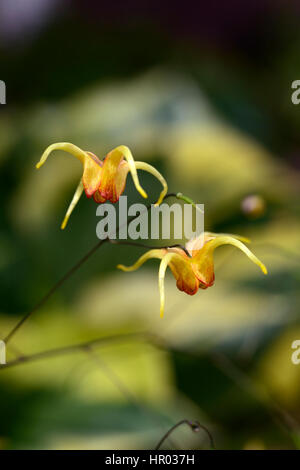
(203, 93)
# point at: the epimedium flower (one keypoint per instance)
(104, 179)
(192, 266)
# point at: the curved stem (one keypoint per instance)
(150, 247)
(195, 426)
(70, 349)
(68, 275)
(75, 199)
(54, 289)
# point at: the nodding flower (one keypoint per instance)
(104, 179)
(193, 268)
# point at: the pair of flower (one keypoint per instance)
(193, 268)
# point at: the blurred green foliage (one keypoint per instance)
(219, 124)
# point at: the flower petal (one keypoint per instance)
(203, 263)
(98, 198)
(150, 169)
(91, 164)
(92, 173)
(67, 147)
(74, 201)
(115, 171)
(186, 279)
(156, 253)
(181, 268)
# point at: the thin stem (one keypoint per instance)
(54, 289)
(112, 376)
(280, 416)
(58, 284)
(71, 349)
(121, 386)
(88, 347)
(150, 247)
(195, 426)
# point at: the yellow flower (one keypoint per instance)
(104, 180)
(194, 267)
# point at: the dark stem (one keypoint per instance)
(279, 415)
(53, 289)
(68, 275)
(112, 376)
(121, 386)
(150, 247)
(71, 349)
(195, 426)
